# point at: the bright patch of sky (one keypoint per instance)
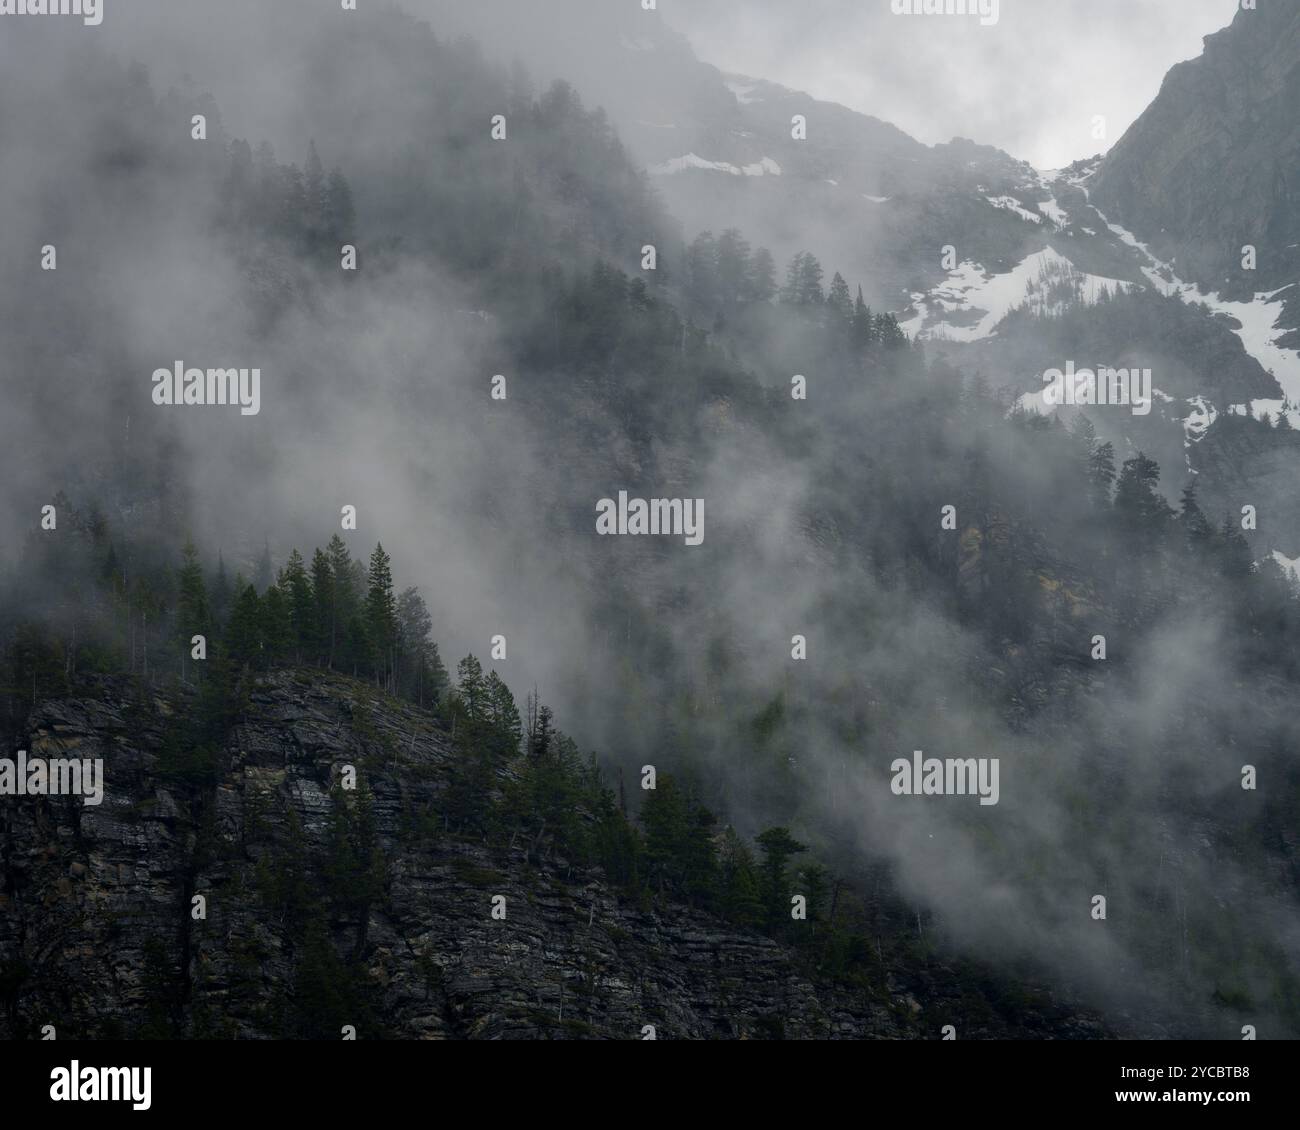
(1031, 84)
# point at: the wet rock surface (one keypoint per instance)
(99, 934)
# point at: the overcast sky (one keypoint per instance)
(1029, 84)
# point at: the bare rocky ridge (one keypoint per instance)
(96, 935)
(1211, 164)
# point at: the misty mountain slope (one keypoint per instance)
(860, 194)
(1208, 169)
(1195, 359)
(124, 303)
(822, 520)
(874, 204)
(714, 143)
(98, 939)
(414, 121)
(1209, 356)
(879, 207)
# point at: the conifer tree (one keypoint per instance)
(296, 585)
(472, 773)
(790, 292)
(1197, 532)
(422, 677)
(502, 716)
(1139, 505)
(322, 621)
(699, 857)
(220, 602)
(839, 302)
(733, 267)
(1084, 433)
(358, 654)
(381, 616)
(340, 214)
(1101, 475)
(810, 281)
(315, 200)
(541, 730)
(663, 824)
(889, 333)
(345, 599)
(243, 638)
(864, 327)
(702, 271)
(813, 881)
(777, 846)
(193, 617)
(761, 283)
(741, 900)
(470, 696)
(1235, 559)
(277, 626)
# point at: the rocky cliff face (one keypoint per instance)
(100, 935)
(1214, 161)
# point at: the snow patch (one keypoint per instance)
(1075, 179)
(912, 327)
(1259, 335)
(1256, 327)
(1257, 320)
(1054, 212)
(1288, 565)
(1268, 410)
(1045, 282)
(693, 161)
(1010, 204)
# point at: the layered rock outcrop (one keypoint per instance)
(101, 933)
